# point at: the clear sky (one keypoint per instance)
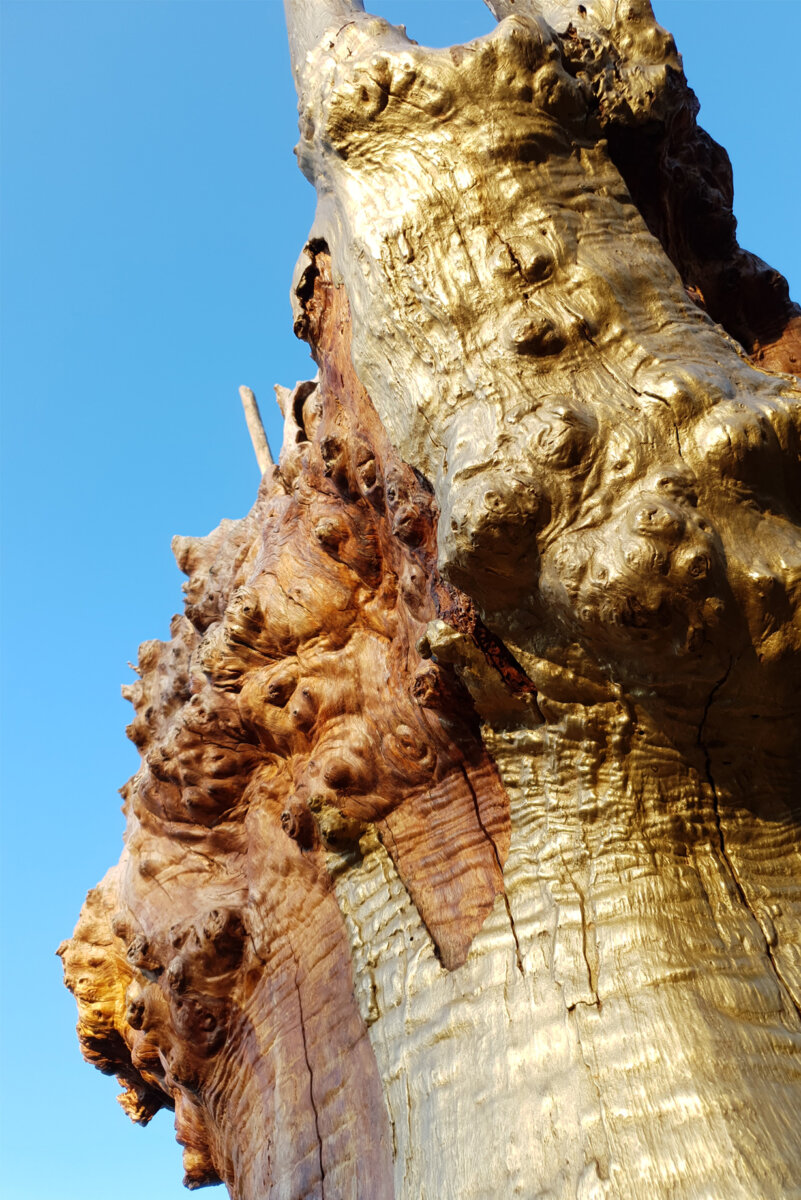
(151, 216)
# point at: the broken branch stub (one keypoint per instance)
(258, 437)
(308, 20)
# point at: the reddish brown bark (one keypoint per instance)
(291, 712)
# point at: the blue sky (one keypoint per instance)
(151, 216)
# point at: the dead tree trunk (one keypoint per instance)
(463, 860)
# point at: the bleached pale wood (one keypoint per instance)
(307, 21)
(256, 429)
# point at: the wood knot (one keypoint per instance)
(298, 824)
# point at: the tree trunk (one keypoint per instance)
(463, 858)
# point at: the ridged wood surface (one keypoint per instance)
(464, 861)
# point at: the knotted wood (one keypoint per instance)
(464, 856)
(292, 714)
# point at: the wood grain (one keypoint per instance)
(291, 713)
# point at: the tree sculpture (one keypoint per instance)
(463, 856)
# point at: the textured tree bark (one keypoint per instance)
(463, 860)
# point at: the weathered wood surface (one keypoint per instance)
(679, 178)
(291, 712)
(536, 522)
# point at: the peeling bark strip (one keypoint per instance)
(290, 712)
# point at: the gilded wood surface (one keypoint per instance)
(537, 494)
